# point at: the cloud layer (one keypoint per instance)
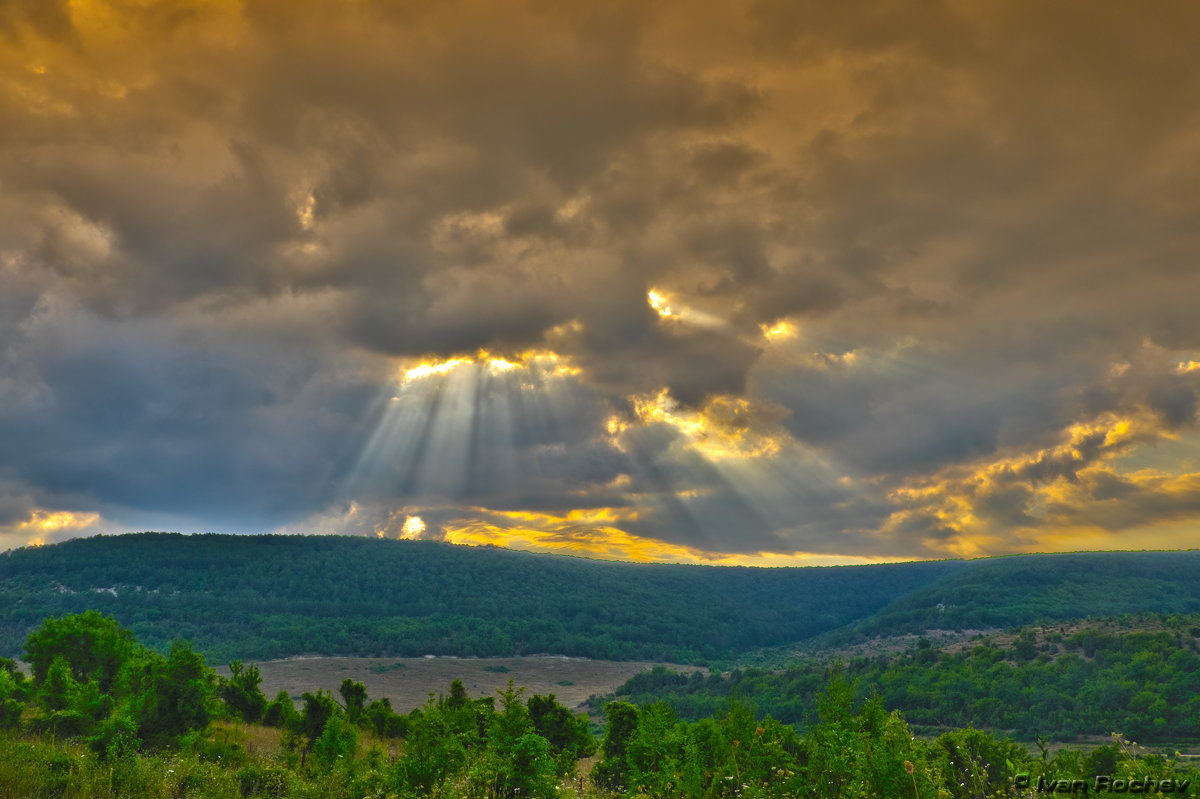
(757, 281)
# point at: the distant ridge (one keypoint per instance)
(268, 596)
(1021, 589)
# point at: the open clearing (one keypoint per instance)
(407, 682)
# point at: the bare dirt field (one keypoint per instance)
(407, 682)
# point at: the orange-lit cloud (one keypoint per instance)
(543, 359)
(591, 534)
(1069, 496)
(47, 526)
(659, 303)
(726, 427)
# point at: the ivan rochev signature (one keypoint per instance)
(1102, 784)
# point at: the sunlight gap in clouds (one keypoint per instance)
(457, 430)
(452, 428)
(46, 526)
(565, 535)
(717, 430)
(658, 302)
(494, 363)
(675, 312)
(778, 331)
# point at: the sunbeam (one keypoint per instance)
(464, 429)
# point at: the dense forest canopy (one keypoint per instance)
(1020, 589)
(1138, 676)
(274, 596)
(259, 597)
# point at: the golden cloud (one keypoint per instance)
(44, 526)
(724, 428)
(592, 533)
(1066, 496)
(545, 361)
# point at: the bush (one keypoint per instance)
(258, 778)
(116, 738)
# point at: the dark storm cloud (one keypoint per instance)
(227, 229)
(204, 429)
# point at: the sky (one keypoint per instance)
(762, 282)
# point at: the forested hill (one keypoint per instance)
(258, 597)
(1140, 675)
(1011, 591)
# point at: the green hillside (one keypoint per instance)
(1140, 677)
(257, 597)
(1022, 589)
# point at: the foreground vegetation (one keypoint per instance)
(102, 716)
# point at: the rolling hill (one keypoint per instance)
(264, 596)
(258, 597)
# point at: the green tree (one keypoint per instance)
(93, 645)
(318, 709)
(386, 722)
(354, 694)
(705, 757)
(974, 763)
(458, 696)
(281, 712)
(177, 696)
(568, 735)
(11, 693)
(1101, 760)
(613, 768)
(652, 751)
(336, 744)
(241, 692)
(433, 752)
(57, 686)
(69, 707)
(517, 762)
